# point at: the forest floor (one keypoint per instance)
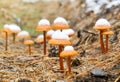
(16, 63)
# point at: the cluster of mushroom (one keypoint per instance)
(48, 30)
(15, 30)
(10, 29)
(60, 37)
(104, 27)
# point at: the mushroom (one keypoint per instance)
(69, 32)
(49, 34)
(60, 39)
(39, 39)
(60, 23)
(101, 25)
(23, 35)
(14, 30)
(29, 43)
(68, 52)
(107, 33)
(44, 25)
(7, 31)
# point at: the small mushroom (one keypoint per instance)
(60, 23)
(7, 31)
(14, 30)
(44, 25)
(29, 43)
(69, 32)
(107, 33)
(68, 52)
(23, 35)
(39, 39)
(101, 25)
(49, 34)
(60, 39)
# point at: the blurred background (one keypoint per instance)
(80, 14)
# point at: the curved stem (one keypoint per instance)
(44, 32)
(61, 59)
(107, 43)
(101, 42)
(6, 46)
(69, 65)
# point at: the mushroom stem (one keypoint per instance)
(61, 59)
(69, 65)
(107, 43)
(6, 46)
(44, 32)
(29, 46)
(14, 35)
(101, 42)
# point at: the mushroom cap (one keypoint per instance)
(60, 23)
(43, 25)
(43, 22)
(59, 42)
(68, 53)
(50, 32)
(69, 32)
(43, 28)
(28, 42)
(107, 32)
(6, 28)
(102, 24)
(58, 26)
(23, 34)
(60, 20)
(14, 28)
(39, 39)
(102, 27)
(60, 35)
(68, 48)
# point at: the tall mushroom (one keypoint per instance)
(23, 35)
(101, 25)
(68, 52)
(29, 43)
(44, 25)
(60, 39)
(107, 33)
(14, 30)
(7, 31)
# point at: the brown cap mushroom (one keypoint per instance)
(44, 25)
(23, 35)
(39, 39)
(60, 23)
(60, 39)
(14, 30)
(68, 52)
(101, 25)
(29, 43)
(107, 32)
(7, 31)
